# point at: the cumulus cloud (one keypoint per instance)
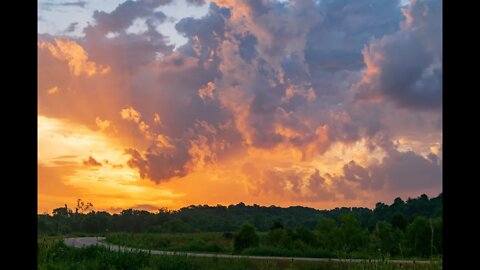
(160, 164)
(163, 141)
(410, 171)
(131, 114)
(406, 67)
(123, 16)
(397, 172)
(362, 176)
(116, 33)
(102, 124)
(74, 55)
(303, 78)
(303, 184)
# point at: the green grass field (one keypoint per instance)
(211, 242)
(53, 254)
(201, 242)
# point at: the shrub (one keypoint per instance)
(247, 237)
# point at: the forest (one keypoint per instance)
(402, 229)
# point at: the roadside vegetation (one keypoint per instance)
(409, 229)
(54, 254)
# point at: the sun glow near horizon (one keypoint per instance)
(286, 103)
(107, 181)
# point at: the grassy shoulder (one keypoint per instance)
(222, 243)
(53, 254)
(200, 242)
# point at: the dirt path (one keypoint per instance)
(88, 241)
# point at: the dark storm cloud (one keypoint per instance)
(265, 102)
(137, 50)
(354, 172)
(333, 50)
(294, 69)
(362, 176)
(410, 171)
(247, 47)
(404, 75)
(398, 171)
(208, 30)
(283, 28)
(409, 62)
(335, 44)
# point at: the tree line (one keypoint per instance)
(403, 228)
(204, 218)
(345, 238)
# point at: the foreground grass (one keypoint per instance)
(215, 242)
(200, 242)
(53, 254)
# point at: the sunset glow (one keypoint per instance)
(313, 103)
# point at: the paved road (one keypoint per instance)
(88, 241)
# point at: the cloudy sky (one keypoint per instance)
(168, 103)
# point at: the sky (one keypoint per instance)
(154, 104)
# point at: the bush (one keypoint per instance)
(247, 237)
(228, 235)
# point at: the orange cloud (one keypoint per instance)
(206, 91)
(157, 119)
(131, 114)
(164, 142)
(291, 91)
(102, 124)
(65, 150)
(201, 129)
(76, 57)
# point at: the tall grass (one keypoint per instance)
(53, 254)
(201, 242)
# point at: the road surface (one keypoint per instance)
(89, 241)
